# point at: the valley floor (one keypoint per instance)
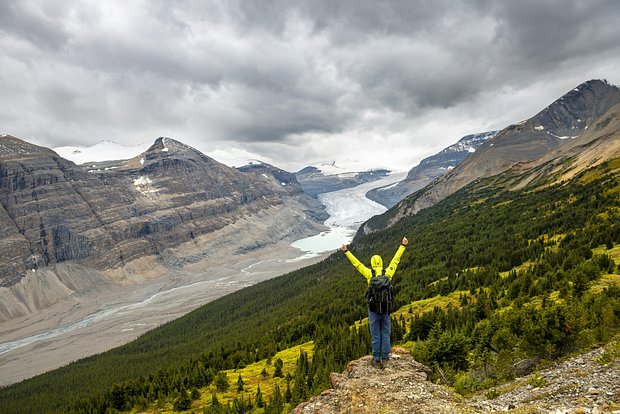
(75, 329)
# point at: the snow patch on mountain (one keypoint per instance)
(144, 186)
(103, 151)
(563, 136)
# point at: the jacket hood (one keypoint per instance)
(376, 262)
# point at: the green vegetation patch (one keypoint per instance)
(426, 305)
(613, 253)
(605, 282)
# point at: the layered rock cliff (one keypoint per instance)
(104, 216)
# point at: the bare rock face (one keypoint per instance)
(44, 216)
(403, 386)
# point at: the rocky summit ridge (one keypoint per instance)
(582, 118)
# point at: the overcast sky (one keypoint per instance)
(294, 83)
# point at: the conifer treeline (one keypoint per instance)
(522, 261)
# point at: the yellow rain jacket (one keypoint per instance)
(376, 263)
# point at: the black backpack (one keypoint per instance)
(380, 294)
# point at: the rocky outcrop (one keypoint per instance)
(105, 215)
(585, 384)
(430, 168)
(402, 387)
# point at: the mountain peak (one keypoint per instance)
(597, 87)
(166, 144)
(571, 114)
(165, 148)
(596, 83)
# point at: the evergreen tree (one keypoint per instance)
(195, 395)
(118, 398)
(183, 402)
(260, 402)
(278, 368)
(276, 402)
(288, 395)
(221, 381)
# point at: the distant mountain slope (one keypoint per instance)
(554, 128)
(327, 178)
(598, 144)
(105, 215)
(430, 168)
(285, 182)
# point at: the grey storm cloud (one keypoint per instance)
(33, 24)
(289, 72)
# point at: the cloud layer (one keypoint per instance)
(294, 82)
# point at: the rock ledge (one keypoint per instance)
(402, 387)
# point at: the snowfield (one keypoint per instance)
(103, 151)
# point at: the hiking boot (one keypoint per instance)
(375, 363)
(384, 363)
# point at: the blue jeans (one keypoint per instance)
(380, 328)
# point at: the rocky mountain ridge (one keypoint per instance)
(104, 216)
(430, 168)
(565, 128)
(315, 181)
